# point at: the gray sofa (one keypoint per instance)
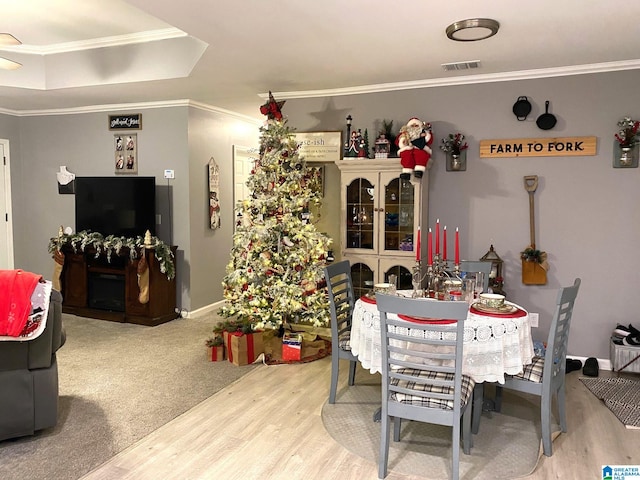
(29, 378)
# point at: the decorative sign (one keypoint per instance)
(214, 192)
(125, 122)
(319, 146)
(538, 147)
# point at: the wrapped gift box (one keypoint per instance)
(215, 354)
(243, 348)
(292, 346)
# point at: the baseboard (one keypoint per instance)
(207, 309)
(603, 364)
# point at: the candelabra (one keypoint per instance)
(436, 276)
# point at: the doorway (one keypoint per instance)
(6, 219)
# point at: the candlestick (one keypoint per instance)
(418, 247)
(437, 236)
(457, 248)
(444, 244)
(429, 248)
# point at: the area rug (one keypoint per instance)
(620, 395)
(506, 447)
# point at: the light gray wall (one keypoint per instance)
(84, 144)
(212, 134)
(587, 215)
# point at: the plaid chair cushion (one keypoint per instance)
(467, 389)
(343, 341)
(533, 371)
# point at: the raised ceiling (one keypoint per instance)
(78, 54)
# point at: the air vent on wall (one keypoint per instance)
(449, 67)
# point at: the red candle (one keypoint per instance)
(429, 248)
(437, 236)
(457, 247)
(444, 243)
(418, 247)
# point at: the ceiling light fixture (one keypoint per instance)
(472, 29)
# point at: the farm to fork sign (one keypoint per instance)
(538, 147)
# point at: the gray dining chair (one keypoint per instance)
(545, 376)
(422, 380)
(472, 266)
(341, 302)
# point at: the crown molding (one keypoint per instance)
(104, 42)
(463, 80)
(222, 111)
(131, 106)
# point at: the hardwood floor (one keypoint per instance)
(268, 425)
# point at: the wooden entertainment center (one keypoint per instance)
(98, 288)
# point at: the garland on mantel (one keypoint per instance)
(110, 244)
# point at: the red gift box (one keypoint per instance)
(243, 348)
(215, 354)
(292, 346)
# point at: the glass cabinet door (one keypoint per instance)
(399, 207)
(362, 278)
(403, 277)
(360, 210)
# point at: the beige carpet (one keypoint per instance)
(620, 395)
(506, 447)
(118, 383)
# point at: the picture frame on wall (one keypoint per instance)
(130, 121)
(125, 147)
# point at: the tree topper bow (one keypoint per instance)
(272, 109)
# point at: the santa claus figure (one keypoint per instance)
(414, 148)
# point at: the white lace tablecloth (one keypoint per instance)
(493, 345)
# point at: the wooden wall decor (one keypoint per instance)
(538, 147)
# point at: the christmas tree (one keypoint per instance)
(276, 273)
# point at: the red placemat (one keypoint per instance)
(366, 299)
(425, 320)
(518, 313)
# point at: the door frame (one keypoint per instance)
(5, 190)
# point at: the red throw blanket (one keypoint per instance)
(16, 287)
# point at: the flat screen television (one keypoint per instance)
(120, 206)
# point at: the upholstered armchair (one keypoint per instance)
(29, 378)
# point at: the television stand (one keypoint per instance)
(108, 290)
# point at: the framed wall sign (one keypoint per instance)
(125, 149)
(132, 121)
(319, 146)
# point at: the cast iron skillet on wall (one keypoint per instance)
(546, 121)
(522, 108)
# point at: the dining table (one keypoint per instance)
(495, 343)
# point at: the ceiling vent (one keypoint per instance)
(450, 67)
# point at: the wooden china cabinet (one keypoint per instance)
(379, 218)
